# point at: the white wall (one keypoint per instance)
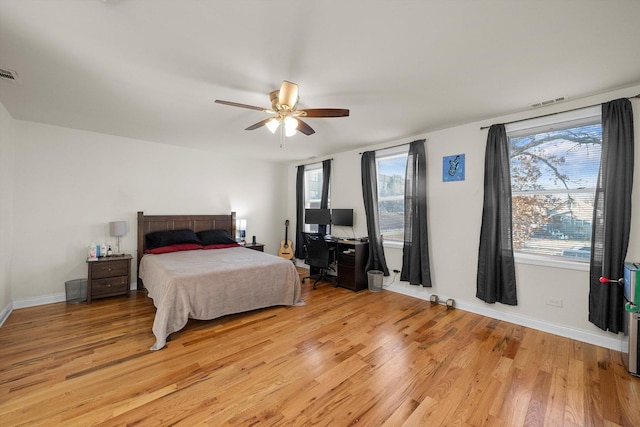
(455, 209)
(6, 208)
(60, 187)
(69, 184)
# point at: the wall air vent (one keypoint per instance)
(9, 75)
(549, 102)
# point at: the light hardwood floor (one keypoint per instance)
(371, 359)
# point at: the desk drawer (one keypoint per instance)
(347, 276)
(110, 269)
(109, 286)
(352, 261)
(348, 259)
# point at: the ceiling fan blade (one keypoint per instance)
(324, 112)
(259, 124)
(304, 128)
(251, 107)
(288, 95)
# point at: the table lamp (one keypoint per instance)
(117, 229)
(241, 229)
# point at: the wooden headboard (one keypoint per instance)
(150, 223)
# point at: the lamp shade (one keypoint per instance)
(272, 125)
(118, 228)
(290, 125)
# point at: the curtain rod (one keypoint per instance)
(312, 163)
(392, 146)
(552, 114)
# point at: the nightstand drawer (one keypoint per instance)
(255, 246)
(109, 277)
(108, 286)
(110, 269)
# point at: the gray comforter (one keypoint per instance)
(206, 284)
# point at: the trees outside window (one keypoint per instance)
(554, 172)
(391, 172)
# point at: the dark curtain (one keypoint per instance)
(415, 253)
(370, 195)
(324, 199)
(611, 216)
(496, 281)
(299, 251)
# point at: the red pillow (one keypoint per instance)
(220, 246)
(174, 248)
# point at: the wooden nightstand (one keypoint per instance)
(108, 277)
(255, 246)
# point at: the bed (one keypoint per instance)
(209, 281)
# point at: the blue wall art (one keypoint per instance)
(453, 168)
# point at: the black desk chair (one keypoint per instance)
(319, 256)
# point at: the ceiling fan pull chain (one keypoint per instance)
(282, 135)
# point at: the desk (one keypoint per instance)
(352, 260)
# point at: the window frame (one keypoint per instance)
(313, 228)
(538, 124)
(385, 154)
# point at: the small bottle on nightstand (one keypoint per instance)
(91, 255)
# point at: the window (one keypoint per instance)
(391, 167)
(554, 173)
(313, 191)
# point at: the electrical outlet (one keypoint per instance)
(554, 302)
(396, 271)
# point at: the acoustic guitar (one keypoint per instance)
(285, 245)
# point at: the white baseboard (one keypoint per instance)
(613, 343)
(41, 300)
(4, 314)
(48, 299)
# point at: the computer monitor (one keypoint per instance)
(342, 217)
(317, 216)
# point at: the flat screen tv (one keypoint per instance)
(317, 216)
(342, 217)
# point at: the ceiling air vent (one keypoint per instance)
(10, 75)
(549, 102)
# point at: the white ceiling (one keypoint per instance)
(151, 69)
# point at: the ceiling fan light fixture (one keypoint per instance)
(272, 125)
(288, 95)
(290, 126)
(290, 122)
(290, 132)
(284, 106)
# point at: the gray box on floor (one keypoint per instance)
(76, 290)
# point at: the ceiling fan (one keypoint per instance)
(283, 104)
